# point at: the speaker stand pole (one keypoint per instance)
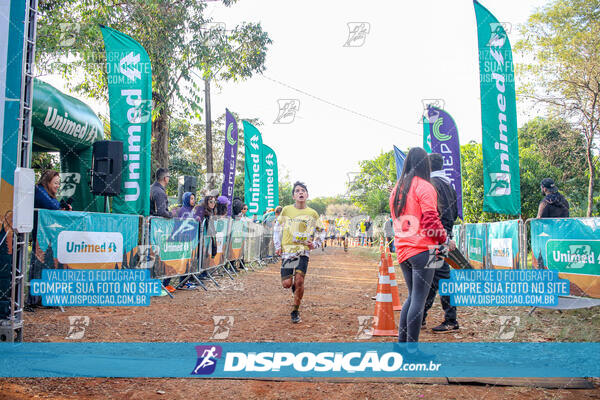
(105, 204)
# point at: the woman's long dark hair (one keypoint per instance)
(416, 164)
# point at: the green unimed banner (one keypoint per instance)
(270, 177)
(502, 192)
(254, 191)
(130, 102)
(426, 136)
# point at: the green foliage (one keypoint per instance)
(187, 147)
(370, 188)
(320, 204)
(174, 34)
(285, 193)
(563, 148)
(564, 40)
(548, 148)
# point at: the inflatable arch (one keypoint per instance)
(64, 124)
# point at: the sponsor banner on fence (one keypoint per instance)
(215, 242)
(73, 239)
(504, 244)
(572, 247)
(298, 360)
(475, 237)
(237, 239)
(457, 237)
(174, 243)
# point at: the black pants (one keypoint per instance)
(449, 311)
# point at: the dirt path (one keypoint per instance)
(339, 287)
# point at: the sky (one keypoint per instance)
(356, 101)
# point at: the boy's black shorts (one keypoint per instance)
(292, 266)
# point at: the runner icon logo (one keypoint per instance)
(77, 326)
(223, 324)
(500, 184)
(508, 326)
(207, 359)
(287, 111)
(365, 326)
(498, 31)
(357, 34)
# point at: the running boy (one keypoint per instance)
(298, 230)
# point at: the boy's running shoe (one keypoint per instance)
(295, 317)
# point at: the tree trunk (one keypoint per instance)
(160, 133)
(589, 158)
(209, 157)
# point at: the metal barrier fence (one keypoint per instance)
(181, 248)
(169, 248)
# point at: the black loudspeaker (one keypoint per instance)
(186, 184)
(107, 165)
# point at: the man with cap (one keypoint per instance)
(554, 204)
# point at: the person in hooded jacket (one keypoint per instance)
(554, 204)
(448, 209)
(187, 209)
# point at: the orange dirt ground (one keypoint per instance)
(339, 287)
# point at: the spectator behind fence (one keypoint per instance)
(236, 208)
(222, 206)
(417, 227)
(187, 209)
(554, 204)
(44, 197)
(159, 203)
(369, 230)
(207, 209)
(159, 206)
(448, 209)
(205, 214)
(46, 191)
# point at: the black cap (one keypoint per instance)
(549, 184)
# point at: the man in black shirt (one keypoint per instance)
(554, 205)
(159, 203)
(448, 210)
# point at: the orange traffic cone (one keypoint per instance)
(384, 324)
(394, 285)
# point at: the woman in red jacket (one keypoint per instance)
(417, 228)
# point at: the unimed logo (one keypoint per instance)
(89, 247)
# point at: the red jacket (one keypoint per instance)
(419, 225)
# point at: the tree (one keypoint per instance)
(188, 156)
(174, 34)
(564, 39)
(370, 188)
(320, 204)
(342, 209)
(533, 168)
(564, 148)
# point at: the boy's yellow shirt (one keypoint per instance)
(298, 226)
